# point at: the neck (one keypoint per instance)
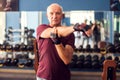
(55, 25)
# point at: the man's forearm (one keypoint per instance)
(65, 31)
(65, 53)
(61, 31)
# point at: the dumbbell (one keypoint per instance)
(87, 63)
(10, 30)
(95, 58)
(88, 48)
(6, 36)
(95, 62)
(3, 47)
(88, 58)
(80, 61)
(23, 47)
(29, 63)
(1, 63)
(110, 48)
(109, 57)
(82, 28)
(79, 64)
(75, 49)
(30, 32)
(9, 47)
(21, 63)
(72, 64)
(96, 65)
(30, 38)
(96, 49)
(75, 57)
(30, 35)
(30, 47)
(102, 59)
(25, 30)
(8, 62)
(118, 64)
(73, 61)
(19, 56)
(81, 49)
(116, 58)
(81, 58)
(25, 56)
(117, 47)
(14, 62)
(16, 47)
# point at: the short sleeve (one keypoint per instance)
(71, 40)
(40, 29)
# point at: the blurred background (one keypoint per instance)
(18, 23)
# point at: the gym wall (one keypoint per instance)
(40, 5)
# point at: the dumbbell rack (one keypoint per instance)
(76, 74)
(86, 56)
(16, 58)
(11, 48)
(19, 34)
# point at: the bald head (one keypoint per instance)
(54, 14)
(54, 5)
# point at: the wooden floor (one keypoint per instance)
(17, 74)
(29, 74)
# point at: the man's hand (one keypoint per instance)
(88, 32)
(78, 27)
(54, 37)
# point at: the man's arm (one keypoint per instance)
(65, 53)
(62, 31)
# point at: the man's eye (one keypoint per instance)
(58, 13)
(51, 13)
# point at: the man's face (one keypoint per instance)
(54, 15)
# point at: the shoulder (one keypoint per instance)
(70, 36)
(42, 26)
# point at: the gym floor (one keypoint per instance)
(17, 74)
(29, 74)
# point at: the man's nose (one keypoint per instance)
(54, 15)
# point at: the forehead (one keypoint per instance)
(54, 8)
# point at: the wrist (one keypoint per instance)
(55, 39)
(57, 42)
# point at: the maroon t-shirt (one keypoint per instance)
(51, 67)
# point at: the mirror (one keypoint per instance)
(108, 22)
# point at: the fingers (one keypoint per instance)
(88, 33)
(54, 30)
(53, 33)
(54, 36)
